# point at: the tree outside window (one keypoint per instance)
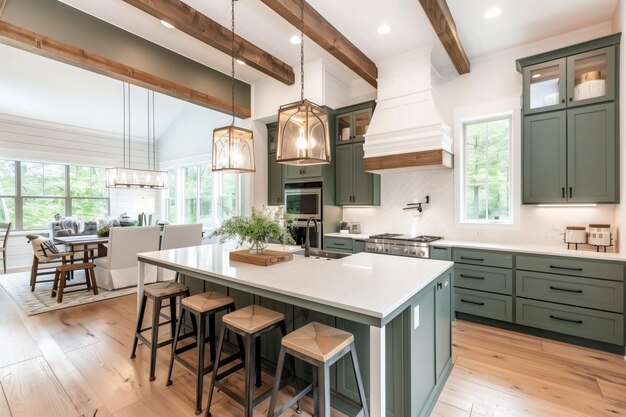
(487, 173)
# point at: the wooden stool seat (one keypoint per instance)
(207, 301)
(61, 275)
(166, 289)
(253, 318)
(318, 341)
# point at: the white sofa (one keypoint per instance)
(178, 236)
(119, 269)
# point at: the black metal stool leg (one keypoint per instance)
(257, 361)
(155, 336)
(359, 380)
(179, 326)
(172, 316)
(200, 369)
(249, 382)
(212, 337)
(216, 367)
(142, 310)
(316, 406)
(277, 382)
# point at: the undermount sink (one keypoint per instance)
(317, 253)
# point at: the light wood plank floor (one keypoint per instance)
(75, 362)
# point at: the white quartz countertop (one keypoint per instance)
(533, 249)
(355, 236)
(366, 283)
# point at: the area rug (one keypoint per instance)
(40, 301)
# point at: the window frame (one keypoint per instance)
(67, 197)
(507, 107)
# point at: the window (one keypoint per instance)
(205, 198)
(486, 176)
(32, 193)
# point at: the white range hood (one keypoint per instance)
(407, 130)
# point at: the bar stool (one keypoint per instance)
(62, 275)
(321, 346)
(157, 293)
(200, 307)
(250, 323)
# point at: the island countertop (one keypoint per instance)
(369, 284)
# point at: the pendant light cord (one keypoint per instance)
(232, 57)
(129, 138)
(302, 50)
(124, 122)
(148, 91)
(154, 164)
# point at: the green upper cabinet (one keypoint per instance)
(275, 171)
(544, 86)
(570, 128)
(352, 126)
(354, 186)
(293, 172)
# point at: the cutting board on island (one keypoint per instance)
(269, 257)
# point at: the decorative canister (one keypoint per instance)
(600, 235)
(575, 234)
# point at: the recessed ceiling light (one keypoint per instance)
(295, 40)
(383, 29)
(536, 75)
(167, 24)
(492, 13)
(240, 62)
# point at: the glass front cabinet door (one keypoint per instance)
(544, 86)
(591, 77)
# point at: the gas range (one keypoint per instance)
(400, 245)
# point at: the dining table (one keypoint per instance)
(87, 244)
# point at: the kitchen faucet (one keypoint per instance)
(307, 242)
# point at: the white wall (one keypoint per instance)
(491, 78)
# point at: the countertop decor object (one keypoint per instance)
(267, 258)
(575, 235)
(233, 146)
(600, 236)
(257, 230)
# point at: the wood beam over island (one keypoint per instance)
(399, 310)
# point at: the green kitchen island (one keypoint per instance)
(398, 308)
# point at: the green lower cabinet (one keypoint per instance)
(422, 344)
(359, 246)
(483, 304)
(346, 381)
(484, 278)
(441, 253)
(575, 321)
(443, 324)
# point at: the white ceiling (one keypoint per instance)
(29, 91)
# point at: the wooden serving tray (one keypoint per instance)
(269, 257)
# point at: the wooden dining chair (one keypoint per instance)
(5, 229)
(46, 261)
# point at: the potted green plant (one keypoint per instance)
(257, 230)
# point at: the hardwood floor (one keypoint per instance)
(75, 362)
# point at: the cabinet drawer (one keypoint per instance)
(358, 246)
(575, 321)
(480, 257)
(493, 306)
(581, 292)
(338, 243)
(484, 278)
(569, 266)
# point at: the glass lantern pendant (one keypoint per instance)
(233, 147)
(303, 136)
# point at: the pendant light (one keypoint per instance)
(233, 147)
(303, 136)
(126, 177)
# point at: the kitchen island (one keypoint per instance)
(399, 309)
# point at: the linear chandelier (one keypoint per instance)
(303, 136)
(233, 147)
(127, 177)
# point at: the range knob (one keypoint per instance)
(421, 254)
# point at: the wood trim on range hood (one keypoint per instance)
(437, 158)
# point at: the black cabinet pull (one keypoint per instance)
(562, 192)
(339, 244)
(571, 99)
(470, 276)
(567, 320)
(473, 259)
(562, 100)
(473, 302)
(565, 268)
(439, 285)
(570, 192)
(565, 289)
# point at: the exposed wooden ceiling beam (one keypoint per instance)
(30, 41)
(327, 36)
(440, 17)
(195, 24)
